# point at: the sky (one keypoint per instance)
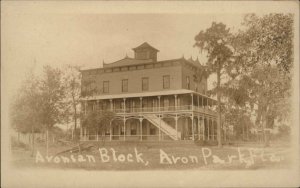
(86, 34)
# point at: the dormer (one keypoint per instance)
(145, 51)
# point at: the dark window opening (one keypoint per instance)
(105, 86)
(145, 84)
(166, 82)
(125, 85)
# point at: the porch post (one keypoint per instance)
(213, 130)
(119, 131)
(203, 128)
(141, 104)
(176, 126)
(198, 118)
(198, 102)
(111, 104)
(124, 121)
(175, 102)
(158, 103)
(110, 130)
(159, 132)
(124, 110)
(193, 132)
(192, 102)
(208, 132)
(159, 118)
(141, 126)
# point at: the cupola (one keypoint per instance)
(145, 51)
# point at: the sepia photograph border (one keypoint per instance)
(27, 177)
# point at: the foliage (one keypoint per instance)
(52, 92)
(263, 59)
(39, 103)
(97, 120)
(265, 55)
(270, 38)
(255, 63)
(25, 110)
(216, 42)
(72, 84)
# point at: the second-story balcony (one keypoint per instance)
(168, 109)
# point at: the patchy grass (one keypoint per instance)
(154, 156)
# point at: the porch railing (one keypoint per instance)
(165, 109)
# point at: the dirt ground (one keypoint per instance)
(152, 156)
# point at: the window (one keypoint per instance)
(125, 85)
(166, 82)
(133, 128)
(145, 84)
(188, 82)
(105, 86)
(152, 130)
(122, 130)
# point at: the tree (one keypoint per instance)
(52, 94)
(72, 80)
(264, 52)
(25, 110)
(97, 120)
(215, 42)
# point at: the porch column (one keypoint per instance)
(141, 126)
(124, 110)
(199, 133)
(111, 104)
(193, 132)
(110, 130)
(213, 130)
(175, 102)
(198, 103)
(158, 103)
(176, 126)
(124, 121)
(192, 101)
(208, 128)
(159, 118)
(120, 130)
(141, 104)
(203, 128)
(159, 132)
(98, 105)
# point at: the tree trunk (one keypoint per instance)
(265, 132)
(32, 140)
(75, 116)
(75, 120)
(219, 103)
(243, 130)
(47, 141)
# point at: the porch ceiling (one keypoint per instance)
(144, 94)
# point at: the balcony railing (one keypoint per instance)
(165, 109)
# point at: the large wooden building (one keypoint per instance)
(151, 99)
